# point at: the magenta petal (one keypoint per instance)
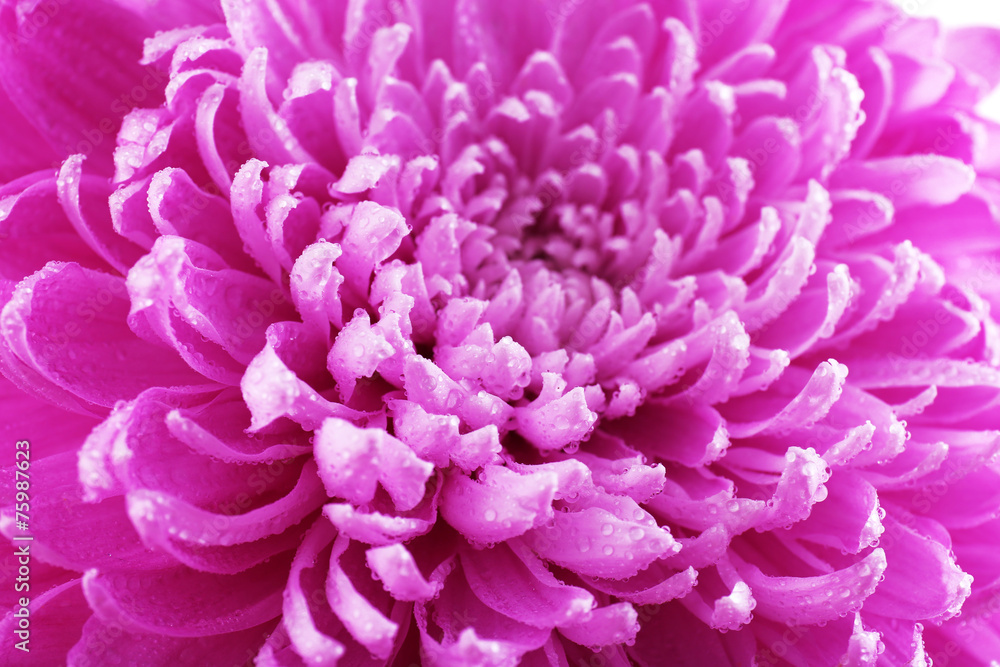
(24, 149)
(56, 618)
(808, 406)
(130, 214)
(84, 199)
(375, 527)
(614, 624)
(849, 518)
(622, 470)
(315, 285)
(309, 102)
(272, 390)
(34, 229)
(904, 642)
(925, 179)
(436, 393)
(942, 587)
(816, 313)
(184, 603)
(363, 620)
(64, 529)
(155, 317)
(863, 648)
(969, 47)
(698, 434)
(76, 104)
(53, 430)
(514, 582)
(436, 438)
(673, 631)
(214, 107)
(178, 286)
(356, 353)
(473, 633)
(648, 587)
(192, 535)
(298, 618)
(800, 487)
(247, 197)
(607, 536)
(373, 234)
(774, 167)
(180, 208)
(143, 454)
(106, 642)
(255, 24)
(556, 420)
(269, 135)
(232, 449)
(95, 333)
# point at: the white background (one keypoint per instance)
(960, 13)
(956, 12)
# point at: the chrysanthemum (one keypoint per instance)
(489, 333)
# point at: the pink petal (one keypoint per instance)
(556, 420)
(298, 617)
(606, 536)
(194, 536)
(501, 505)
(697, 432)
(84, 199)
(375, 527)
(812, 600)
(610, 625)
(395, 568)
(180, 208)
(64, 529)
(247, 197)
(473, 633)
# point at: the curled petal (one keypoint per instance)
(352, 460)
(811, 600)
(396, 569)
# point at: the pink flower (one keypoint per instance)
(495, 333)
